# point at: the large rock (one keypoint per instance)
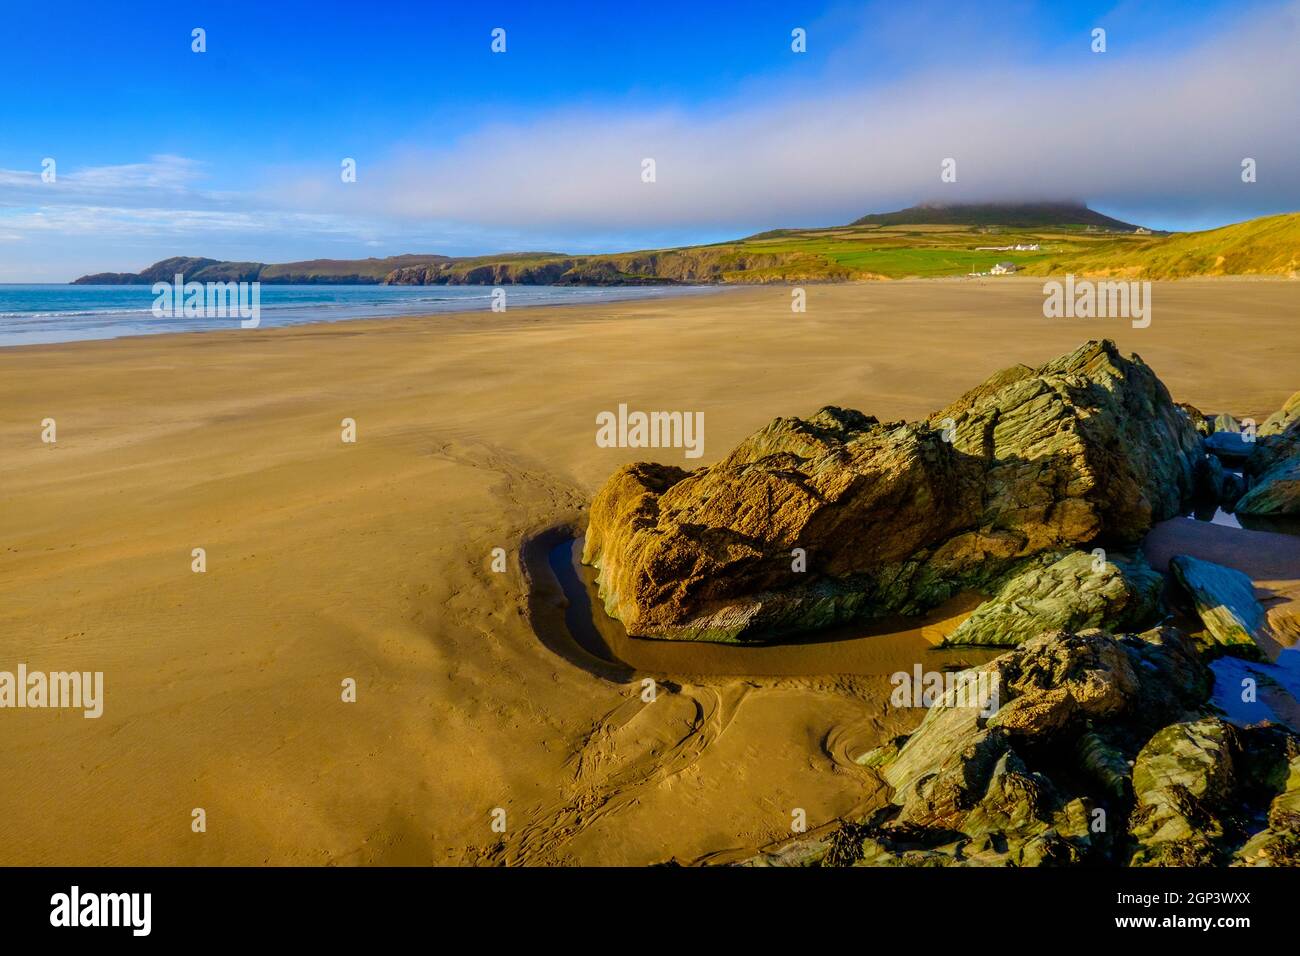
(1023, 786)
(1285, 419)
(1073, 592)
(1102, 752)
(1183, 783)
(1231, 447)
(1276, 492)
(1052, 692)
(892, 517)
(1226, 604)
(1278, 439)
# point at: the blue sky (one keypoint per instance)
(235, 152)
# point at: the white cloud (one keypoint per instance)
(161, 172)
(1167, 132)
(160, 220)
(126, 184)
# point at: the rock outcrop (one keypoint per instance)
(893, 517)
(1285, 419)
(566, 271)
(1102, 752)
(1274, 493)
(1274, 467)
(1278, 439)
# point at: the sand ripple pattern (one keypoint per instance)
(633, 748)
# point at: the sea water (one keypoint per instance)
(39, 314)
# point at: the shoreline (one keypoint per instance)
(287, 315)
(682, 291)
(290, 314)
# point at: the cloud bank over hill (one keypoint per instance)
(1118, 129)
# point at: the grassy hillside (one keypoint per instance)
(1268, 246)
(866, 250)
(918, 250)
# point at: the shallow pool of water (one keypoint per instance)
(878, 648)
(1275, 689)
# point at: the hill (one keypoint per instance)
(1267, 246)
(1067, 238)
(197, 269)
(1029, 215)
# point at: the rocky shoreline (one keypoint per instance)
(1104, 751)
(1036, 490)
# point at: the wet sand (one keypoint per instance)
(372, 561)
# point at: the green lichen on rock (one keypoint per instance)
(1073, 592)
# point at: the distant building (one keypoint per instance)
(1142, 231)
(1026, 247)
(1003, 268)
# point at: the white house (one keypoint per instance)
(1003, 268)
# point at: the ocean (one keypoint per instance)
(40, 314)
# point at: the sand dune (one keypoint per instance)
(371, 561)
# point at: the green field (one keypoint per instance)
(1268, 246)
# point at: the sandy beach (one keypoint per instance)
(371, 560)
